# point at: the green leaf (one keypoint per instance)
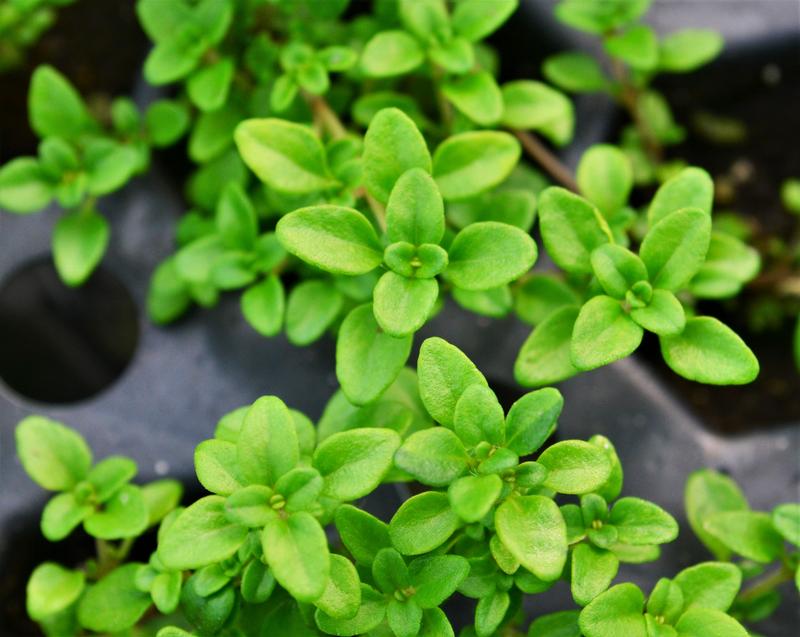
(354, 462)
(286, 156)
(600, 18)
(561, 624)
(640, 522)
(786, 520)
(455, 56)
(707, 622)
(532, 419)
(392, 146)
(160, 21)
(616, 612)
(367, 359)
(466, 164)
(109, 166)
(267, 447)
(540, 296)
(690, 188)
(55, 107)
(434, 456)
(296, 550)
(637, 47)
(124, 515)
(235, 218)
(257, 583)
(709, 585)
(532, 105)
(391, 53)
(575, 72)
(426, 19)
(415, 212)
(746, 533)
(593, 570)
(476, 19)
(488, 254)
(251, 506)
(479, 416)
(663, 316)
(708, 492)
(23, 186)
(160, 498)
(617, 269)
(603, 333)
(444, 373)
(62, 514)
(403, 618)
(665, 601)
(200, 535)
(208, 87)
(166, 591)
(168, 296)
(605, 177)
(436, 578)
(545, 357)
(490, 612)
(422, 523)
(675, 248)
(79, 242)
(52, 589)
(571, 229)
(54, 456)
(472, 497)
(729, 263)
(174, 58)
(113, 604)
(403, 305)
(263, 305)
(575, 467)
(477, 96)
(209, 613)
(532, 529)
(167, 121)
(342, 596)
(363, 534)
(708, 351)
(212, 135)
(312, 308)
(688, 49)
(370, 613)
(217, 468)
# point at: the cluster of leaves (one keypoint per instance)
(255, 557)
(637, 56)
(112, 510)
(766, 544)
(22, 23)
(81, 158)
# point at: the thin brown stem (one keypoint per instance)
(766, 584)
(629, 97)
(325, 117)
(546, 159)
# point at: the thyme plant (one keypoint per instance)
(501, 514)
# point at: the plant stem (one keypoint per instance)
(327, 119)
(546, 159)
(629, 98)
(377, 209)
(766, 584)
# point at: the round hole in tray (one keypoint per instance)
(60, 344)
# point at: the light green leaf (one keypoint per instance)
(540, 296)
(363, 534)
(79, 242)
(54, 456)
(675, 248)
(312, 307)
(746, 533)
(593, 570)
(403, 618)
(617, 269)
(216, 465)
(479, 416)
(113, 604)
(434, 456)
(532, 419)
(367, 359)
(637, 47)
(392, 146)
(251, 506)
(466, 164)
(708, 492)
(391, 53)
(61, 515)
(561, 624)
(690, 188)
(490, 612)
(258, 582)
(532, 529)
(24, 187)
(354, 462)
(167, 121)
(472, 497)
(263, 305)
(52, 589)
(124, 515)
(476, 19)
(342, 595)
(709, 585)
(477, 96)
(708, 351)
(688, 49)
(55, 107)
(663, 316)
(422, 523)
(707, 622)
(571, 229)
(403, 305)
(545, 357)
(267, 446)
(235, 218)
(444, 373)
(575, 72)
(371, 613)
(616, 612)
(208, 87)
(575, 466)
(641, 522)
(532, 105)
(603, 333)
(296, 550)
(286, 156)
(200, 535)
(786, 519)
(605, 177)
(488, 254)
(415, 212)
